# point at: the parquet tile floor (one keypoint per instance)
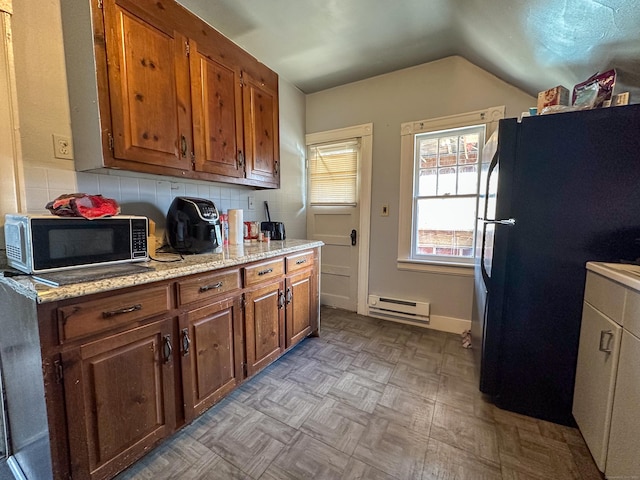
(368, 399)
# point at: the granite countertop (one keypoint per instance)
(162, 269)
(625, 273)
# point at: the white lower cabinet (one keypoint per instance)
(596, 379)
(606, 403)
(623, 459)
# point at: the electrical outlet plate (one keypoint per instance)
(62, 147)
(251, 202)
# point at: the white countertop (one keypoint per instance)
(624, 273)
(190, 264)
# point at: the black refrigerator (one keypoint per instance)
(556, 191)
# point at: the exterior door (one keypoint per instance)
(338, 217)
(334, 225)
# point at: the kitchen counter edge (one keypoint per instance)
(230, 256)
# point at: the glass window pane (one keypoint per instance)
(428, 151)
(469, 145)
(427, 182)
(444, 226)
(448, 151)
(447, 181)
(467, 179)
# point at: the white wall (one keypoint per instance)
(44, 109)
(445, 87)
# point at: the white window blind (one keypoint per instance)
(333, 173)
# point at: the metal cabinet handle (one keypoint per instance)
(240, 159)
(264, 272)
(214, 286)
(300, 262)
(280, 300)
(186, 342)
(289, 295)
(605, 341)
(276, 169)
(183, 145)
(120, 311)
(167, 348)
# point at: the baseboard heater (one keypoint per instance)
(399, 309)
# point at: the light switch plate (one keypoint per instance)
(251, 202)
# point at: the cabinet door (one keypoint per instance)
(120, 399)
(261, 140)
(623, 459)
(148, 74)
(217, 115)
(264, 325)
(595, 380)
(211, 350)
(300, 306)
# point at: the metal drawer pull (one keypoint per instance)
(204, 288)
(186, 342)
(167, 348)
(605, 345)
(130, 309)
(300, 262)
(264, 272)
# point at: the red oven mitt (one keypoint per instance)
(83, 205)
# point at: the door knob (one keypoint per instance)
(354, 235)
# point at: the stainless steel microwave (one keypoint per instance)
(46, 243)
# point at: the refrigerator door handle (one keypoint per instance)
(508, 221)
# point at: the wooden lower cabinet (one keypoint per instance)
(264, 325)
(300, 306)
(211, 354)
(119, 395)
(125, 369)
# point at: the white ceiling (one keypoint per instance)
(532, 44)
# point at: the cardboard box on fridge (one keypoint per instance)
(554, 96)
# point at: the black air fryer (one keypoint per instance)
(193, 225)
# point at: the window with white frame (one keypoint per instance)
(440, 172)
(445, 193)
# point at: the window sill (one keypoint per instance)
(443, 268)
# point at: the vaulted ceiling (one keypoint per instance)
(532, 44)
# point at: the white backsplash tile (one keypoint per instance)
(152, 198)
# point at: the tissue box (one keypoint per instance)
(554, 96)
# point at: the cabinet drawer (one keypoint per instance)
(86, 318)
(261, 272)
(298, 261)
(207, 286)
(605, 295)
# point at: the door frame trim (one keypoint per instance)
(365, 133)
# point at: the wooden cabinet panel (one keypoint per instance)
(119, 395)
(148, 72)
(217, 115)
(264, 325)
(211, 349)
(262, 272)
(300, 306)
(261, 136)
(94, 316)
(203, 287)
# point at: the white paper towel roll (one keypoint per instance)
(236, 227)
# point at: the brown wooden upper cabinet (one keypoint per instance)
(174, 96)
